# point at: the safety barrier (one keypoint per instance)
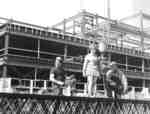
(47, 104)
(27, 86)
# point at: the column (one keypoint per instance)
(38, 57)
(64, 26)
(6, 44)
(143, 65)
(109, 57)
(126, 62)
(141, 30)
(65, 51)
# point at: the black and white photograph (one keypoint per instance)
(75, 57)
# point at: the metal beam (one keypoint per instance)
(141, 29)
(130, 17)
(128, 29)
(23, 23)
(66, 20)
(6, 43)
(98, 16)
(146, 16)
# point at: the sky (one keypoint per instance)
(50, 12)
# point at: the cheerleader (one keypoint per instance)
(91, 69)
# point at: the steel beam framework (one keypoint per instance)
(87, 25)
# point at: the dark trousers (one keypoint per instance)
(116, 89)
(57, 90)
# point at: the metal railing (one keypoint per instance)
(28, 86)
(47, 104)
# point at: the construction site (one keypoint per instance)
(28, 52)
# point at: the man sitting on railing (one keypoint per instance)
(57, 76)
(116, 81)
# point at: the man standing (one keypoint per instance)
(57, 76)
(116, 81)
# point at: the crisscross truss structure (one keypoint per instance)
(132, 31)
(39, 104)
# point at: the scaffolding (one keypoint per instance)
(132, 32)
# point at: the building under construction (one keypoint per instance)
(27, 51)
